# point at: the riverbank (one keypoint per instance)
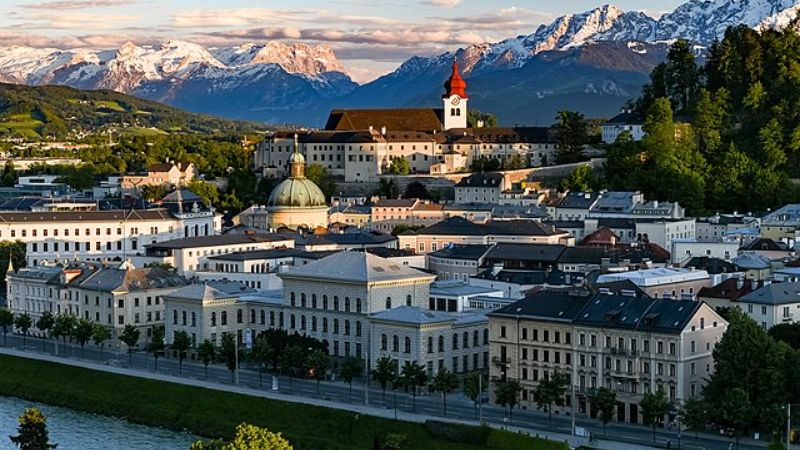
(214, 413)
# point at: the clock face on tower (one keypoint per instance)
(455, 100)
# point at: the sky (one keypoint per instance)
(370, 37)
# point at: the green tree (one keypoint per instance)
(507, 395)
(399, 166)
(262, 350)
(130, 337)
(227, 353)
(350, 368)
(247, 437)
(474, 116)
(100, 335)
(181, 342)
(786, 332)
(573, 134)
(445, 382)
(23, 323)
(156, 345)
(45, 324)
(413, 376)
(32, 431)
(681, 76)
(6, 322)
(322, 178)
(206, 191)
(292, 361)
(579, 180)
(387, 188)
(415, 189)
(318, 363)
(654, 406)
(64, 328)
(694, 414)
(737, 412)
(84, 328)
(485, 164)
(207, 352)
(474, 385)
(551, 391)
(385, 372)
(603, 401)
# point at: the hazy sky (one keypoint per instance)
(371, 37)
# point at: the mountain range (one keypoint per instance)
(592, 61)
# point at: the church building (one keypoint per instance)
(360, 144)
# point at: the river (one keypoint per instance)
(74, 430)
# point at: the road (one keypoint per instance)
(428, 404)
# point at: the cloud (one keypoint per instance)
(442, 3)
(241, 17)
(77, 20)
(77, 4)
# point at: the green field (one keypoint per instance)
(213, 413)
(138, 131)
(109, 105)
(22, 124)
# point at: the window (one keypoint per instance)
(388, 302)
(335, 326)
(430, 344)
(441, 344)
(408, 300)
(503, 331)
(407, 346)
(174, 316)
(383, 342)
(239, 316)
(224, 318)
(324, 302)
(213, 319)
(395, 343)
(455, 341)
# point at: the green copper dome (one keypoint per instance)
(297, 193)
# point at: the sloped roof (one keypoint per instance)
(459, 226)
(359, 267)
(480, 179)
(526, 252)
(774, 294)
(218, 239)
(601, 236)
(416, 119)
(728, 289)
(462, 251)
(108, 279)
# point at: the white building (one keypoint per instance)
(479, 188)
(626, 121)
(685, 249)
(772, 304)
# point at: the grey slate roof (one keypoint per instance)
(418, 316)
(482, 180)
(268, 254)
(459, 226)
(108, 279)
(359, 267)
(526, 252)
(462, 251)
(218, 239)
(774, 294)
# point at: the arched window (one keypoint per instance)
(347, 304)
(239, 316)
(458, 112)
(335, 326)
(347, 328)
(174, 316)
(430, 344)
(303, 300)
(441, 344)
(272, 318)
(407, 346)
(388, 302)
(194, 319)
(213, 319)
(314, 301)
(324, 302)
(383, 342)
(324, 324)
(280, 319)
(485, 336)
(358, 305)
(476, 340)
(455, 341)
(183, 318)
(358, 328)
(465, 342)
(224, 318)
(263, 317)
(292, 298)
(303, 322)
(292, 322)
(335, 303)
(395, 343)
(313, 323)
(408, 300)
(252, 316)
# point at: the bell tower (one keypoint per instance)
(454, 101)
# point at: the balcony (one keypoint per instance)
(624, 374)
(496, 360)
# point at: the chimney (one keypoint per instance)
(370, 128)
(383, 131)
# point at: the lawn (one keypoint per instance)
(109, 105)
(22, 124)
(213, 413)
(139, 131)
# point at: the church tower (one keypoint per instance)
(454, 101)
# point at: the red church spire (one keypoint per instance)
(455, 85)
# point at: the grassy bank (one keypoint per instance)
(211, 413)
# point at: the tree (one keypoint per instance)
(156, 345)
(603, 401)
(130, 337)
(292, 361)
(64, 327)
(681, 76)
(181, 342)
(445, 382)
(388, 188)
(654, 406)
(413, 376)
(384, 373)
(579, 180)
(737, 412)
(474, 116)
(207, 352)
(474, 384)
(573, 134)
(247, 437)
(45, 324)
(694, 414)
(322, 178)
(100, 335)
(32, 431)
(23, 323)
(262, 350)
(318, 363)
(399, 166)
(787, 332)
(350, 368)
(415, 189)
(206, 191)
(507, 395)
(551, 392)
(485, 164)
(6, 322)
(227, 353)
(84, 328)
